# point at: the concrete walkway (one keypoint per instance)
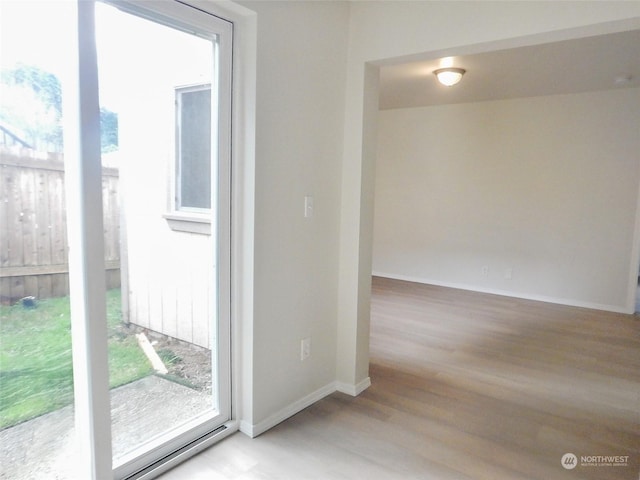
(43, 448)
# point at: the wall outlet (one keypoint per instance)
(484, 271)
(305, 348)
(508, 273)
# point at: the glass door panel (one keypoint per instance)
(159, 98)
(166, 252)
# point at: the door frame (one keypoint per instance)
(82, 152)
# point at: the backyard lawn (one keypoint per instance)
(36, 374)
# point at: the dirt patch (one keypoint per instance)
(187, 364)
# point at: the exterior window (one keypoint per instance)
(193, 179)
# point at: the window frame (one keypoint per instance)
(179, 92)
(189, 18)
(86, 259)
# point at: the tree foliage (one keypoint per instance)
(31, 102)
(45, 85)
(108, 130)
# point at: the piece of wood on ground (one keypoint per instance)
(150, 352)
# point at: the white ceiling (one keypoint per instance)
(570, 66)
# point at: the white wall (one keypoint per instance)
(312, 276)
(383, 31)
(301, 58)
(540, 189)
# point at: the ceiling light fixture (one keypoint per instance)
(449, 76)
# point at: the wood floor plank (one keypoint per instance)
(464, 386)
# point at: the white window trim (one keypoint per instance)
(179, 218)
(190, 222)
(178, 165)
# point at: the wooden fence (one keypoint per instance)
(33, 227)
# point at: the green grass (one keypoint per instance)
(36, 373)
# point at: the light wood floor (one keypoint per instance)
(465, 386)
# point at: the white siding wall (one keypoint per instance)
(170, 273)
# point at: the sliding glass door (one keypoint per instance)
(122, 115)
(164, 76)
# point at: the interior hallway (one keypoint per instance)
(465, 386)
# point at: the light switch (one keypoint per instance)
(308, 206)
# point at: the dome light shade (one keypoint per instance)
(449, 76)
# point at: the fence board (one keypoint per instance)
(17, 287)
(30, 286)
(60, 285)
(14, 243)
(43, 239)
(27, 217)
(36, 270)
(44, 286)
(5, 289)
(33, 231)
(57, 225)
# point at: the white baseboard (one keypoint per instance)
(506, 293)
(290, 410)
(299, 405)
(246, 428)
(353, 390)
